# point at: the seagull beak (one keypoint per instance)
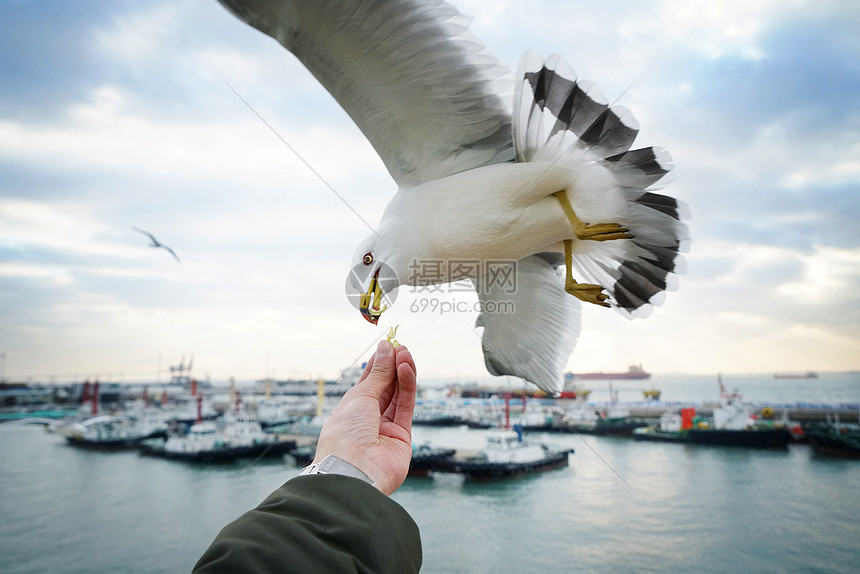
(370, 300)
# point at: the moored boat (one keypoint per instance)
(237, 436)
(616, 421)
(507, 455)
(206, 442)
(732, 424)
(670, 428)
(110, 432)
(835, 439)
(426, 459)
(580, 417)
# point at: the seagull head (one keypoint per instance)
(371, 284)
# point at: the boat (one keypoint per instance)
(580, 418)
(735, 425)
(732, 424)
(435, 415)
(806, 375)
(616, 421)
(670, 428)
(756, 436)
(633, 372)
(426, 458)
(206, 442)
(107, 432)
(537, 418)
(507, 455)
(835, 439)
(238, 436)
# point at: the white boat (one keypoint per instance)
(238, 435)
(111, 432)
(581, 417)
(508, 455)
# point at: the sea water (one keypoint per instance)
(621, 505)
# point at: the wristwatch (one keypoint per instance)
(335, 465)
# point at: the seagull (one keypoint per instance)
(156, 243)
(514, 182)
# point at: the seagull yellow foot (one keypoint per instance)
(602, 232)
(587, 292)
(596, 232)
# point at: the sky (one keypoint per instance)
(117, 114)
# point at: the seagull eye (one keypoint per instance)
(368, 258)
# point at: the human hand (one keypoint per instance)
(371, 428)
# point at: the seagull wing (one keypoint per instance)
(425, 91)
(530, 323)
(175, 256)
(155, 242)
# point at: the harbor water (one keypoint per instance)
(621, 506)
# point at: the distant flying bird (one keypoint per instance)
(501, 192)
(156, 243)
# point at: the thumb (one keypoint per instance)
(382, 372)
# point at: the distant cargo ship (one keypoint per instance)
(807, 375)
(634, 372)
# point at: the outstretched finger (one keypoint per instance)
(407, 387)
(388, 407)
(382, 371)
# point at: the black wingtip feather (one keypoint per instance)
(661, 203)
(566, 99)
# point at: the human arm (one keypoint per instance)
(371, 428)
(333, 523)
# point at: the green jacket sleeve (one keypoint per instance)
(323, 523)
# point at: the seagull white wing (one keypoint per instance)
(530, 323)
(425, 91)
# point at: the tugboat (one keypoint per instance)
(733, 424)
(426, 458)
(110, 432)
(507, 455)
(580, 418)
(435, 414)
(835, 439)
(671, 428)
(240, 437)
(616, 421)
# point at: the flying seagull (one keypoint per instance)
(156, 243)
(503, 179)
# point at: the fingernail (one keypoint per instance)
(383, 349)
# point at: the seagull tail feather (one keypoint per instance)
(561, 119)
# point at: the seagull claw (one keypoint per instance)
(587, 292)
(602, 232)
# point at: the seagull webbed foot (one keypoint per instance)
(601, 232)
(585, 231)
(587, 292)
